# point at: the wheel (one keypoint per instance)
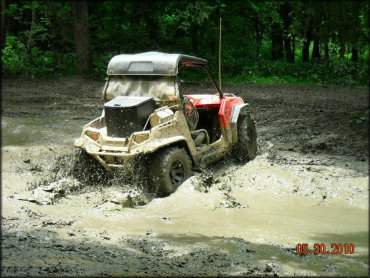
(87, 169)
(168, 169)
(246, 147)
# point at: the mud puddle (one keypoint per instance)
(244, 226)
(228, 219)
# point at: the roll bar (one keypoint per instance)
(210, 75)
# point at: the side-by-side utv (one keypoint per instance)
(146, 113)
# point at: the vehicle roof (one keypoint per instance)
(150, 63)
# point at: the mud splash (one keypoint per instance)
(62, 179)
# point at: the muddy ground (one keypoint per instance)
(308, 184)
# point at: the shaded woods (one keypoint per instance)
(272, 41)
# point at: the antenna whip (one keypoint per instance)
(219, 56)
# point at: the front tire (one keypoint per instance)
(87, 169)
(246, 147)
(168, 169)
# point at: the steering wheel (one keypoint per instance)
(191, 114)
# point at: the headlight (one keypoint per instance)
(141, 138)
(93, 135)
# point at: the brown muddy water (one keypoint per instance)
(308, 184)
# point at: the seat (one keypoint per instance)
(199, 136)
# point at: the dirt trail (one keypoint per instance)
(308, 184)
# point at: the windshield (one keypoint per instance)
(161, 88)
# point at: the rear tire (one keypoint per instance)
(246, 147)
(168, 169)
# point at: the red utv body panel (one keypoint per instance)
(224, 106)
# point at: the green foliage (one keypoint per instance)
(101, 63)
(16, 61)
(14, 56)
(186, 15)
(336, 72)
(40, 41)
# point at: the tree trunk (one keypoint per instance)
(118, 45)
(212, 47)
(284, 12)
(152, 30)
(194, 38)
(316, 50)
(293, 43)
(3, 34)
(259, 35)
(356, 32)
(136, 42)
(54, 46)
(29, 42)
(277, 42)
(80, 16)
(342, 48)
(152, 27)
(213, 41)
(306, 44)
(288, 50)
(354, 54)
(326, 50)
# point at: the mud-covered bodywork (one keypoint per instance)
(112, 152)
(204, 126)
(168, 127)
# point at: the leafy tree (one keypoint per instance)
(60, 37)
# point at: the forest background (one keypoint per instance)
(307, 42)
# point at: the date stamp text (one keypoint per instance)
(321, 248)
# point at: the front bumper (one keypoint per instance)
(109, 156)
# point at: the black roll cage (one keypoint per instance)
(210, 75)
